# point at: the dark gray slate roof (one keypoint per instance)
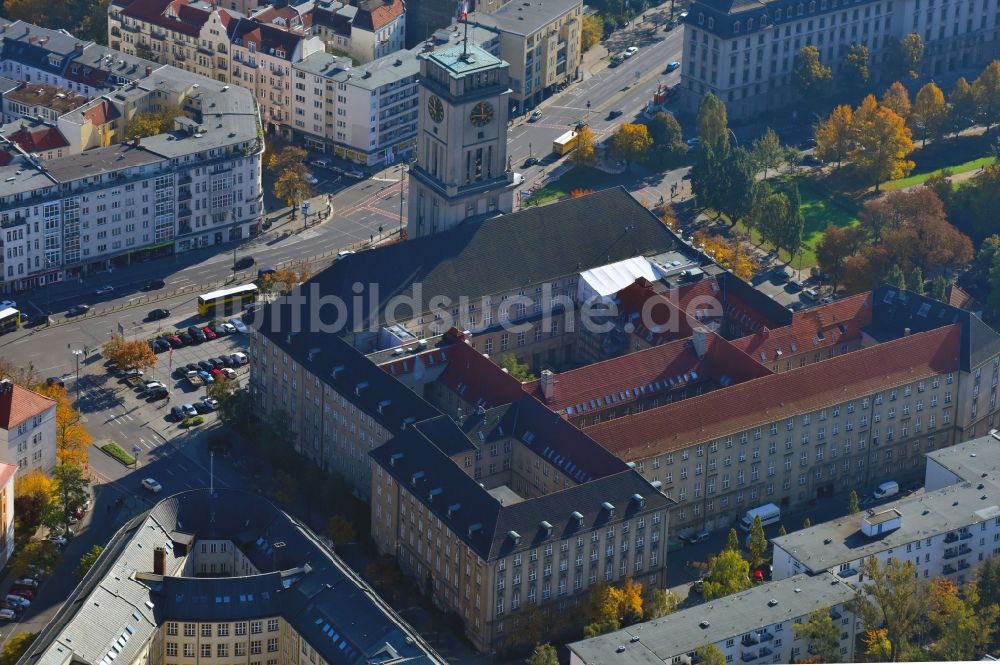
(493, 256)
(341, 617)
(417, 459)
(894, 310)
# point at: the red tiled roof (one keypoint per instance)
(41, 139)
(5, 157)
(101, 112)
(7, 472)
(779, 396)
(477, 380)
(811, 330)
(374, 15)
(956, 297)
(154, 12)
(17, 404)
(286, 13)
(266, 37)
(646, 372)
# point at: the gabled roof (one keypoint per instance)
(34, 136)
(373, 15)
(957, 297)
(815, 329)
(267, 38)
(477, 380)
(497, 255)
(775, 397)
(188, 20)
(101, 111)
(654, 370)
(17, 404)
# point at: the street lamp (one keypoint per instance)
(77, 353)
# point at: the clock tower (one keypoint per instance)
(462, 169)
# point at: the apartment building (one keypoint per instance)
(757, 625)
(879, 386)
(27, 432)
(541, 41)
(104, 201)
(946, 531)
(367, 114)
(7, 474)
(744, 52)
(549, 515)
(213, 577)
(366, 31)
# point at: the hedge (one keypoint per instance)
(118, 453)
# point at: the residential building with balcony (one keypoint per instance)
(946, 530)
(27, 430)
(78, 198)
(366, 114)
(744, 52)
(541, 41)
(224, 576)
(753, 626)
(366, 30)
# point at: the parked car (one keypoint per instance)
(209, 333)
(132, 373)
(107, 288)
(157, 314)
(311, 179)
(159, 392)
(238, 324)
(4, 304)
(616, 60)
(229, 373)
(356, 174)
(151, 485)
(192, 367)
(28, 594)
(762, 573)
(673, 65)
(264, 271)
(219, 329)
(196, 334)
(630, 51)
(530, 161)
(243, 263)
(614, 113)
(189, 410)
(240, 358)
(212, 403)
(8, 615)
(228, 327)
(78, 310)
(535, 116)
(55, 381)
(57, 539)
(320, 163)
(216, 373)
(185, 338)
(206, 377)
(154, 284)
(694, 538)
(26, 582)
(159, 345)
(204, 365)
(227, 361)
(174, 341)
(177, 413)
(18, 600)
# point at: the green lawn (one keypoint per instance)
(579, 177)
(920, 178)
(818, 213)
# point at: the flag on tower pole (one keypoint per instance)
(463, 12)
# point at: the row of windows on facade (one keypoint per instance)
(222, 650)
(221, 629)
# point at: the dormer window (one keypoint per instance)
(701, 19)
(749, 25)
(252, 46)
(777, 14)
(736, 26)
(711, 23)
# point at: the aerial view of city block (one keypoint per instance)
(499, 332)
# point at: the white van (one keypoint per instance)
(769, 514)
(884, 490)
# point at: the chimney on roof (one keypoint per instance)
(159, 561)
(906, 332)
(699, 337)
(77, 46)
(149, 70)
(278, 556)
(6, 386)
(548, 383)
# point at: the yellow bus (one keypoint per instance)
(227, 301)
(10, 319)
(565, 143)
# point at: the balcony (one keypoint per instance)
(951, 537)
(948, 569)
(748, 657)
(965, 535)
(184, 179)
(158, 34)
(950, 553)
(184, 194)
(964, 549)
(835, 615)
(127, 27)
(963, 564)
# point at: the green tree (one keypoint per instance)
(290, 157)
(544, 654)
(963, 627)
(658, 603)
(728, 572)
(904, 56)
(836, 136)
(929, 117)
(893, 597)
(768, 215)
(791, 233)
(16, 647)
(734, 541)
(153, 122)
(291, 187)
(591, 32)
(668, 139)
(87, 561)
(767, 152)
(986, 90)
(810, 77)
(735, 186)
(806, 523)
(915, 280)
(757, 544)
(962, 103)
(988, 582)
(782, 531)
(586, 147)
(70, 490)
(852, 505)
(896, 277)
(854, 69)
(992, 305)
(518, 370)
(713, 124)
(340, 530)
(897, 98)
(707, 172)
(882, 143)
(939, 288)
(631, 142)
(710, 655)
(823, 636)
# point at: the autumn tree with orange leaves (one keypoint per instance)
(72, 438)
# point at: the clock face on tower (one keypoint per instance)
(435, 108)
(482, 114)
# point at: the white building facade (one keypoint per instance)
(27, 429)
